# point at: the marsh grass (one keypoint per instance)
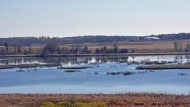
(95, 100)
(77, 104)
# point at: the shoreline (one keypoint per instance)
(111, 100)
(160, 67)
(21, 66)
(106, 54)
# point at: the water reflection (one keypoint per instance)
(94, 79)
(161, 58)
(90, 60)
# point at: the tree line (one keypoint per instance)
(29, 41)
(51, 48)
(178, 47)
(77, 49)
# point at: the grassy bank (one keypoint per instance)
(173, 66)
(110, 100)
(28, 66)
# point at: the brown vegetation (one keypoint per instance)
(173, 66)
(112, 100)
(143, 46)
(90, 48)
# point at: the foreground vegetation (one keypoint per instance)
(94, 100)
(77, 104)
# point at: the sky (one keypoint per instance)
(63, 18)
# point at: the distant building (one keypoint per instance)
(152, 38)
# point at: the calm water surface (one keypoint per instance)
(95, 79)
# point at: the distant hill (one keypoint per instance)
(179, 36)
(28, 41)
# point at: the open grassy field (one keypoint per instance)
(110, 100)
(137, 47)
(143, 46)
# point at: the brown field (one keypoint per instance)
(143, 46)
(111, 100)
(138, 47)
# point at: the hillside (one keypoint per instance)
(28, 41)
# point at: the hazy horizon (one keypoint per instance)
(65, 18)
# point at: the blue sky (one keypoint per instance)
(93, 17)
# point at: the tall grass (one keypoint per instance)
(77, 104)
(94, 100)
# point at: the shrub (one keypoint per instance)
(95, 104)
(64, 104)
(98, 104)
(48, 104)
(79, 104)
(113, 101)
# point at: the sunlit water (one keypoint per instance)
(95, 79)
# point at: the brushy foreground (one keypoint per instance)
(94, 100)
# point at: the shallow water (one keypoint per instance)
(95, 79)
